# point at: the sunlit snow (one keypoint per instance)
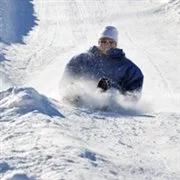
(43, 137)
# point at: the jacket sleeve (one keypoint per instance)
(70, 73)
(72, 68)
(132, 81)
(75, 69)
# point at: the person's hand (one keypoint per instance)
(104, 84)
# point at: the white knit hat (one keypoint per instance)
(109, 32)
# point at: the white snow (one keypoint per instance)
(42, 137)
(24, 100)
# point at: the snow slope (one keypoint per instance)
(43, 138)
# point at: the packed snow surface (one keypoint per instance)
(42, 137)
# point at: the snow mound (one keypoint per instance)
(24, 100)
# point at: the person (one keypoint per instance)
(107, 66)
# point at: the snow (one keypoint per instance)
(4, 167)
(17, 19)
(24, 100)
(17, 176)
(44, 138)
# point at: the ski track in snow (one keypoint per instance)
(42, 138)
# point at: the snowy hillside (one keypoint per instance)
(44, 138)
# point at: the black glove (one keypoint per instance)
(104, 84)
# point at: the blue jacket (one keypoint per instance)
(122, 73)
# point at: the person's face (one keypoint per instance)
(105, 44)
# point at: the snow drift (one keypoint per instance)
(25, 100)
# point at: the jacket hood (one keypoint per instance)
(114, 53)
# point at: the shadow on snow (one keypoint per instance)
(17, 19)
